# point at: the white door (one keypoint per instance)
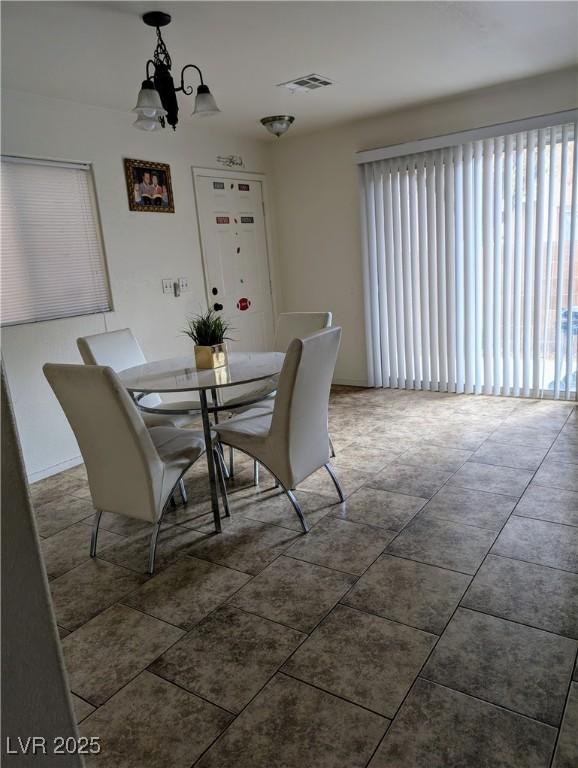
(232, 224)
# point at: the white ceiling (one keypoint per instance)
(382, 55)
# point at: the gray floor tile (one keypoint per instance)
(440, 728)
(460, 438)
(556, 474)
(293, 592)
(487, 477)
(228, 657)
(174, 542)
(293, 725)
(511, 665)
(382, 508)
(57, 514)
(443, 543)
(539, 542)
(246, 545)
(82, 709)
(566, 755)
(413, 480)
(120, 524)
(463, 505)
(565, 449)
(412, 593)
(103, 655)
(367, 458)
(551, 504)
(339, 544)
(436, 457)
(153, 723)
(185, 592)
(273, 506)
(501, 454)
(541, 597)
(349, 478)
(88, 589)
(71, 547)
(53, 488)
(517, 435)
(383, 659)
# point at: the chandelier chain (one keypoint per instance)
(161, 54)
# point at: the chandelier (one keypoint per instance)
(157, 100)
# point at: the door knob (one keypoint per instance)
(217, 307)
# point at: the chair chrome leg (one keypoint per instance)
(297, 508)
(331, 449)
(183, 491)
(231, 462)
(219, 466)
(94, 535)
(255, 473)
(329, 468)
(222, 457)
(153, 546)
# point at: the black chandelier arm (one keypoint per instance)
(149, 62)
(188, 89)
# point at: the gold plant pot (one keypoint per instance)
(211, 357)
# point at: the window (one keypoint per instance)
(472, 266)
(53, 262)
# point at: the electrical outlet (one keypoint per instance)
(167, 285)
(184, 284)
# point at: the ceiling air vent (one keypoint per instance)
(306, 83)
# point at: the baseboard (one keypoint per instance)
(54, 470)
(350, 382)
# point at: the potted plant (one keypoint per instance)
(209, 331)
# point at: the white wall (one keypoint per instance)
(141, 249)
(317, 201)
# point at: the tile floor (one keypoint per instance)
(431, 621)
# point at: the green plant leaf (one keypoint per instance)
(207, 329)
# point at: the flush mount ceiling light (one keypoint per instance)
(277, 124)
(157, 101)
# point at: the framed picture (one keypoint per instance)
(149, 186)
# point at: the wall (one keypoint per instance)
(141, 249)
(317, 202)
(35, 692)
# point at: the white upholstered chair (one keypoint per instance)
(290, 325)
(120, 350)
(132, 470)
(292, 440)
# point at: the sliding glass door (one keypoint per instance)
(472, 266)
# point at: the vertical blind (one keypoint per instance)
(471, 266)
(52, 257)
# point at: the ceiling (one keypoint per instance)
(382, 55)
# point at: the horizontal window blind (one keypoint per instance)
(471, 266)
(53, 263)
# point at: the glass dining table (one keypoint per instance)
(179, 374)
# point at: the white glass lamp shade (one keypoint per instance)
(144, 123)
(205, 104)
(148, 103)
(277, 124)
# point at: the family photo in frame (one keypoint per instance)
(149, 186)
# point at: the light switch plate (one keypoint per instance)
(184, 284)
(167, 285)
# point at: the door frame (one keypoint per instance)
(199, 171)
